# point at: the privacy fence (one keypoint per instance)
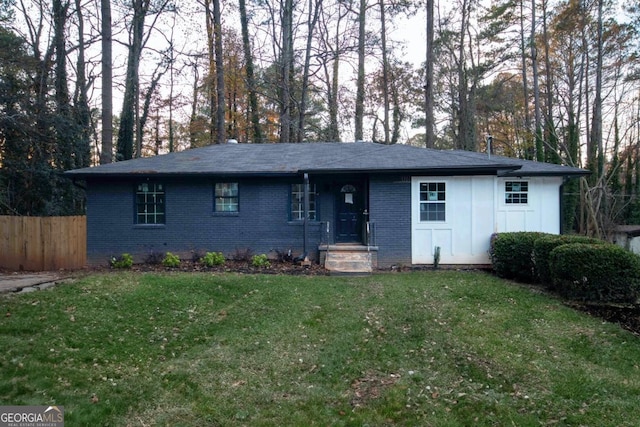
(43, 243)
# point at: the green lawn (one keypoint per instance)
(426, 348)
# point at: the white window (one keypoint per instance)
(432, 201)
(516, 192)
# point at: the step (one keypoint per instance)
(348, 262)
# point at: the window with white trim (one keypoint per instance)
(433, 201)
(297, 202)
(516, 192)
(226, 197)
(150, 206)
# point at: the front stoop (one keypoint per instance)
(346, 260)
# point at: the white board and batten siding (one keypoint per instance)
(474, 208)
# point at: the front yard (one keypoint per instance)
(416, 348)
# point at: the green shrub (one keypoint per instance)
(602, 273)
(170, 260)
(123, 261)
(543, 246)
(260, 261)
(512, 255)
(211, 259)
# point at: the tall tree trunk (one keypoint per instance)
(64, 132)
(194, 106)
(312, 20)
(595, 158)
(536, 89)
(397, 112)
(385, 70)
(36, 178)
(551, 148)
(256, 128)
(332, 73)
(286, 63)
(106, 156)
(466, 91)
(359, 125)
(525, 74)
(211, 82)
(128, 118)
(171, 85)
(572, 188)
(146, 106)
(220, 105)
(430, 136)
(81, 99)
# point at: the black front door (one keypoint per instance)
(349, 208)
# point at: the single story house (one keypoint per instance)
(398, 204)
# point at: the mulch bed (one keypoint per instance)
(243, 267)
(627, 316)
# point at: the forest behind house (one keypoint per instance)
(84, 82)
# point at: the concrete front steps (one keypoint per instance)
(349, 259)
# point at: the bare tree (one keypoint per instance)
(130, 128)
(256, 128)
(286, 65)
(360, 80)
(536, 87)
(313, 15)
(595, 156)
(220, 107)
(385, 70)
(524, 68)
(81, 98)
(429, 122)
(106, 156)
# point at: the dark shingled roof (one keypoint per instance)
(294, 159)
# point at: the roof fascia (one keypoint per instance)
(568, 174)
(488, 170)
(164, 175)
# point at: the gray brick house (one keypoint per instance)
(395, 203)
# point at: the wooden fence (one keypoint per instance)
(43, 243)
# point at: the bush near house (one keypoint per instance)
(543, 246)
(212, 259)
(512, 255)
(260, 261)
(123, 261)
(598, 273)
(171, 260)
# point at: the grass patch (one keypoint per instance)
(425, 348)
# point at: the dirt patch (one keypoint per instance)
(371, 386)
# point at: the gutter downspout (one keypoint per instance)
(306, 215)
(565, 179)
